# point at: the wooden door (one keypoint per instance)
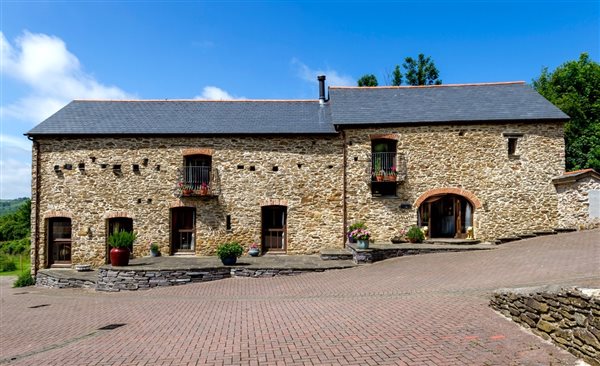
(274, 228)
(118, 224)
(183, 229)
(59, 241)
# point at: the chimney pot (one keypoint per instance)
(321, 79)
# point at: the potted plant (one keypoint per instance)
(254, 250)
(400, 238)
(354, 226)
(120, 241)
(185, 189)
(204, 189)
(154, 250)
(229, 252)
(415, 234)
(391, 175)
(362, 238)
(377, 171)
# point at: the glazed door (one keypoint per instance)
(183, 229)
(274, 228)
(118, 224)
(59, 241)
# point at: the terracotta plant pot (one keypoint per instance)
(379, 178)
(119, 257)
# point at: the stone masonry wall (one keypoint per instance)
(573, 204)
(307, 181)
(516, 193)
(568, 317)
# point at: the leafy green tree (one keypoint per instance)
(574, 87)
(396, 76)
(368, 80)
(17, 224)
(421, 71)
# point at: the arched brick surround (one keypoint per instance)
(113, 214)
(51, 214)
(179, 203)
(273, 202)
(386, 136)
(197, 151)
(457, 191)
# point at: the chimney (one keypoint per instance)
(321, 79)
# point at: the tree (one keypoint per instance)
(574, 87)
(421, 71)
(368, 80)
(396, 76)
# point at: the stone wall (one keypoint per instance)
(516, 193)
(574, 204)
(307, 181)
(568, 317)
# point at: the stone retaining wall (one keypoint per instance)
(132, 280)
(43, 280)
(362, 256)
(568, 317)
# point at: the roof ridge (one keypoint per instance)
(199, 100)
(429, 86)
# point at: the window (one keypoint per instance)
(512, 139)
(383, 167)
(512, 146)
(197, 171)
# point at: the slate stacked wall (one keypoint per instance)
(517, 193)
(307, 181)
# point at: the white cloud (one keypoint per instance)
(214, 93)
(334, 78)
(15, 179)
(14, 142)
(53, 74)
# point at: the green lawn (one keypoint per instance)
(25, 266)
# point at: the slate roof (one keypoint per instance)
(82, 117)
(446, 103)
(502, 102)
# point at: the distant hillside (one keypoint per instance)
(10, 206)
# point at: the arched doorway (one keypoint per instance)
(446, 215)
(115, 224)
(274, 228)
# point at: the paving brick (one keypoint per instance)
(420, 310)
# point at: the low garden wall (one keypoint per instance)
(45, 280)
(131, 280)
(568, 317)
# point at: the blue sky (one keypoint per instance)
(53, 52)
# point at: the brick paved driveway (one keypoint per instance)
(421, 310)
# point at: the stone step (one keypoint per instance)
(564, 229)
(507, 239)
(527, 235)
(335, 254)
(451, 241)
(545, 232)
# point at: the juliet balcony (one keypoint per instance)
(198, 181)
(387, 167)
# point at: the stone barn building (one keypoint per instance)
(291, 175)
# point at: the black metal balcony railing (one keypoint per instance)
(198, 181)
(387, 167)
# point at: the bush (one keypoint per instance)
(24, 279)
(415, 234)
(7, 264)
(15, 247)
(357, 225)
(122, 239)
(233, 249)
